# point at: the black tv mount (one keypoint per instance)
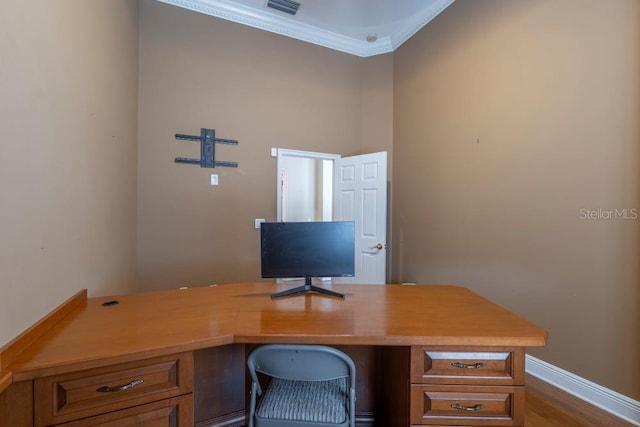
(207, 158)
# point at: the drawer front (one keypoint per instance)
(467, 405)
(83, 394)
(175, 412)
(497, 367)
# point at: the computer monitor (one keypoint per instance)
(307, 249)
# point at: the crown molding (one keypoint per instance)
(412, 26)
(235, 12)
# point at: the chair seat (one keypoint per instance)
(298, 401)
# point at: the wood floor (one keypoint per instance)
(547, 406)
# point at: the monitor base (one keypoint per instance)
(307, 288)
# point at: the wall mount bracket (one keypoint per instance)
(208, 141)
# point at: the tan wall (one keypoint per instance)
(264, 90)
(377, 105)
(552, 91)
(68, 83)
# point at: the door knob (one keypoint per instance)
(379, 246)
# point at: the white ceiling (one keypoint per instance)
(337, 24)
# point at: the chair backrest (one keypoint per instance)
(301, 362)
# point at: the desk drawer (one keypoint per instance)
(174, 412)
(497, 367)
(466, 405)
(83, 394)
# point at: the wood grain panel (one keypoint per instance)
(467, 365)
(548, 406)
(16, 405)
(366, 359)
(175, 412)
(394, 386)
(467, 405)
(10, 351)
(81, 394)
(6, 378)
(427, 315)
(219, 385)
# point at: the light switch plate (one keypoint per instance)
(258, 221)
(214, 179)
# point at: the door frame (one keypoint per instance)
(285, 152)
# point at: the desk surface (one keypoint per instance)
(165, 322)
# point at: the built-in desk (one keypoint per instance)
(435, 355)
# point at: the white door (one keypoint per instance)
(360, 195)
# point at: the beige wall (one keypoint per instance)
(68, 83)
(377, 105)
(551, 89)
(264, 90)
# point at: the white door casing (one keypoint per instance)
(360, 195)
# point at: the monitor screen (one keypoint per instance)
(307, 249)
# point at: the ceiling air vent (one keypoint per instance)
(286, 6)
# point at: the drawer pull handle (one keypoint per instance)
(107, 389)
(477, 407)
(465, 366)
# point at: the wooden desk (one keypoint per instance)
(419, 350)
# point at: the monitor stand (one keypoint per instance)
(307, 288)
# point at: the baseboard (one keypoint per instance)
(608, 400)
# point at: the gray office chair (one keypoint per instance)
(309, 385)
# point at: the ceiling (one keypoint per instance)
(342, 25)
